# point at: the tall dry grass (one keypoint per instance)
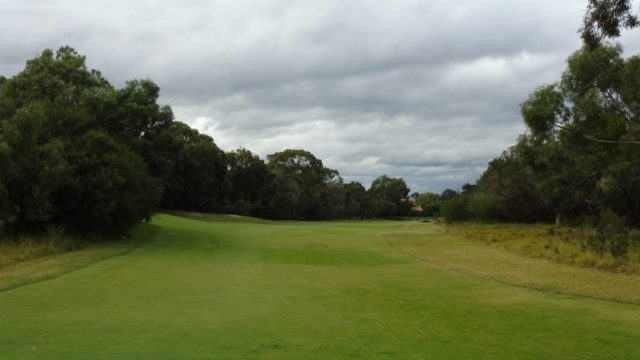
(568, 245)
(22, 248)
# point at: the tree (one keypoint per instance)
(356, 200)
(75, 151)
(605, 19)
(251, 183)
(108, 190)
(287, 197)
(198, 179)
(591, 122)
(511, 183)
(456, 209)
(429, 202)
(389, 196)
(36, 166)
(308, 197)
(448, 194)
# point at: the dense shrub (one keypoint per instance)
(487, 207)
(456, 209)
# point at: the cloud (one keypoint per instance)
(425, 90)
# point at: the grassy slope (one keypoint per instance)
(241, 290)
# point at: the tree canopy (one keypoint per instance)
(605, 19)
(77, 152)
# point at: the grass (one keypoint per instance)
(25, 247)
(458, 248)
(293, 290)
(217, 217)
(568, 245)
(32, 259)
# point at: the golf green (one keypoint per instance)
(225, 288)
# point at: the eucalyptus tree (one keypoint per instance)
(593, 114)
(605, 19)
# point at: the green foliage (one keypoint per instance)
(389, 197)
(605, 18)
(581, 156)
(356, 200)
(448, 194)
(430, 203)
(109, 189)
(75, 151)
(251, 184)
(199, 178)
(487, 207)
(304, 188)
(543, 111)
(456, 209)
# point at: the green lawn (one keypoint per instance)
(212, 289)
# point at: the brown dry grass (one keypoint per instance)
(566, 245)
(512, 254)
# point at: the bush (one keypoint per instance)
(110, 190)
(487, 207)
(456, 209)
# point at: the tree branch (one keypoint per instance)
(618, 107)
(610, 141)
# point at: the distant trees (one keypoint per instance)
(77, 152)
(303, 182)
(196, 170)
(429, 202)
(304, 189)
(389, 197)
(356, 201)
(251, 184)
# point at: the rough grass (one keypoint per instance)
(568, 245)
(296, 290)
(31, 259)
(24, 248)
(460, 249)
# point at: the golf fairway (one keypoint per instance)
(211, 289)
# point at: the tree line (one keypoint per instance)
(78, 153)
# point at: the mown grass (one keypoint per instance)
(296, 290)
(216, 217)
(568, 245)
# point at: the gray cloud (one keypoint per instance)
(425, 90)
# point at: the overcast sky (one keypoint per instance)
(425, 90)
